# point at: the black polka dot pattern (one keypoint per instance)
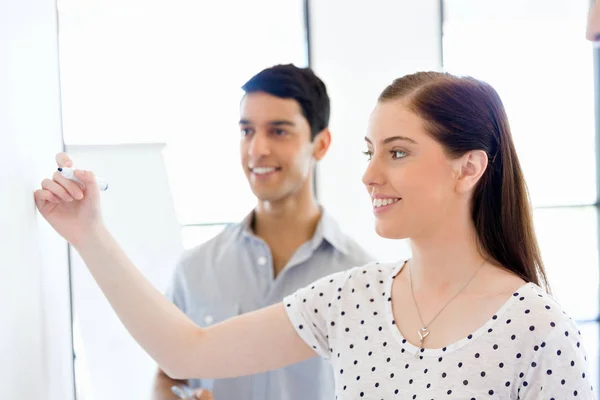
(529, 349)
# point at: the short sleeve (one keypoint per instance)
(176, 292)
(308, 310)
(561, 368)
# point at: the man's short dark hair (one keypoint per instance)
(301, 84)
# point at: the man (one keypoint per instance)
(285, 243)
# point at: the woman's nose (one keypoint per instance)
(593, 27)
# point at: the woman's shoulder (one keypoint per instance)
(544, 311)
(528, 302)
(374, 271)
(378, 267)
(364, 276)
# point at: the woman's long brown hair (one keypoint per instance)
(464, 114)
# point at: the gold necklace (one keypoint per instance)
(424, 331)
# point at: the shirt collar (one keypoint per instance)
(327, 229)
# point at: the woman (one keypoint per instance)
(593, 25)
(466, 317)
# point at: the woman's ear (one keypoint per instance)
(471, 167)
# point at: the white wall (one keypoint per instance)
(358, 48)
(35, 340)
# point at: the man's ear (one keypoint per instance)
(321, 143)
(469, 169)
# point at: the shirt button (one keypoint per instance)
(208, 319)
(262, 260)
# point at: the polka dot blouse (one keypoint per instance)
(530, 349)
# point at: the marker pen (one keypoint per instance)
(69, 174)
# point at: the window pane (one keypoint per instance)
(171, 72)
(534, 53)
(568, 240)
(196, 235)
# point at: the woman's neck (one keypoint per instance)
(445, 258)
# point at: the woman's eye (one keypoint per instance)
(397, 154)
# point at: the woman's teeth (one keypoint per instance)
(383, 202)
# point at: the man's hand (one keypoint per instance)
(184, 392)
(203, 394)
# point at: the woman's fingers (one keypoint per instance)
(63, 160)
(42, 195)
(70, 186)
(56, 189)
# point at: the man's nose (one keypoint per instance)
(259, 145)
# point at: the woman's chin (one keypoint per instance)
(389, 230)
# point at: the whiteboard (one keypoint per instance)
(139, 212)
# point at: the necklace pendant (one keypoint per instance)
(423, 333)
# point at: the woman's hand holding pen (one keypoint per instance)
(72, 208)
